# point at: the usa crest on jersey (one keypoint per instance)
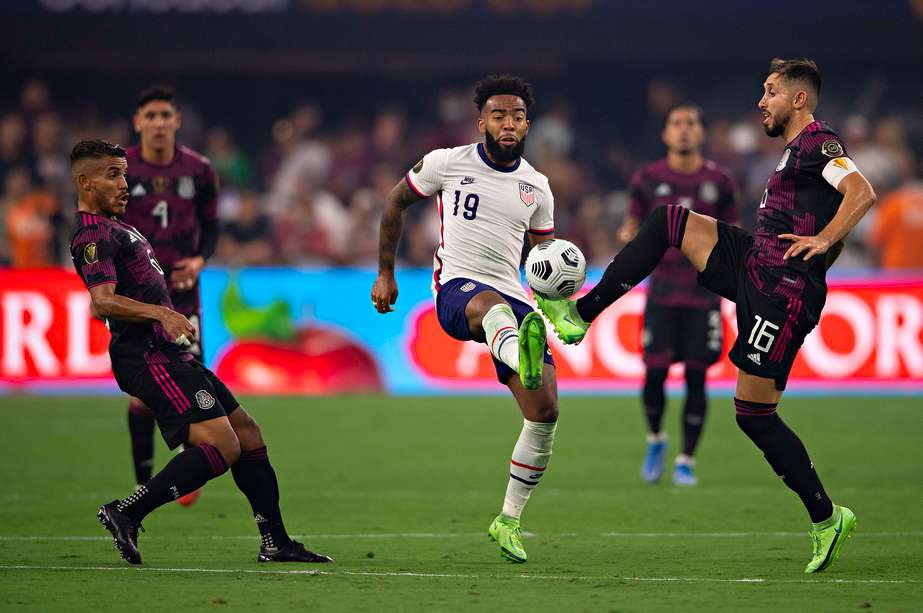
(527, 194)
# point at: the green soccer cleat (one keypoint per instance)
(564, 318)
(506, 532)
(532, 345)
(829, 540)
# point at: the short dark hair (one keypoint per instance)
(799, 69)
(685, 104)
(500, 84)
(157, 92)
(95, 149)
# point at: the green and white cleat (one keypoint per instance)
(505, 531)
(532, 345)
(564, 318)
(829, 539)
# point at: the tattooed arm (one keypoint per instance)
(384, 292)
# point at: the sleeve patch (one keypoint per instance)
(832, 148)
(418, 167)
(90, 256)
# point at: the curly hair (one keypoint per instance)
(497, 85)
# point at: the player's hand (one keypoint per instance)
(177, 327)
(384, 293)
(809, 245)
(185, 272)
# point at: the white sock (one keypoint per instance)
(502, 334)
(530, 457)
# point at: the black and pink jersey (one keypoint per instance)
(798, 200)
(710, 191)
(175, 206)
(108, 250)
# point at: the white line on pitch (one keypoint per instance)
(455, 535)
(447, 575)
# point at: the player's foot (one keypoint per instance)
(506, 532)
(532, 344)
(684, 471)
(293, 552)
(564, 318)
(829, 538)
(189, 499)
(654, 459)
(124, 531)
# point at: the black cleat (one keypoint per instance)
(293, 552)
(124, 531)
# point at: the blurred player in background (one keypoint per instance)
(488, 199)
(174, 195)
(150, 361)
(682, 320)
(776, 276)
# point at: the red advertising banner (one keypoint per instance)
(870, 338)
(47, 336)
(870, 334)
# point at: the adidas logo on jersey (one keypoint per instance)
(755, 358)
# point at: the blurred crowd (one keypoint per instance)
(313, 191)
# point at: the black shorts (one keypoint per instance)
(178, 393)
(189, 304)
(681, 334)
(770, 328)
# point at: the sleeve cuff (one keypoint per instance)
(542, 232)
(413, 187)
(91, 285)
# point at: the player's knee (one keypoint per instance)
(229, 448)
(249, 433)
(546, 411)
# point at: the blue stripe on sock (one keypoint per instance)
(523, 480)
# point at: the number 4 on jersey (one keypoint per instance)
(161, 210)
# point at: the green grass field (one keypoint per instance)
(401, 491)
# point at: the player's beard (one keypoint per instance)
(777, 125)
(501, 153)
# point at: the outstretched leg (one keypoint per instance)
(668, 226)
(215, 447)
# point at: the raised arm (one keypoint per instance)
(384, 292)
(108, 304)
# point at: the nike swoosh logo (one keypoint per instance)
(568, 320)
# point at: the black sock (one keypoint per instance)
(664, 228)
(256, 478)
(653, 398)
(694, 410)
(141, 428)
(186, 472)
(786, 454)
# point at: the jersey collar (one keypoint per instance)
(486, 160)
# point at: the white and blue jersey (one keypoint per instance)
(485, 211)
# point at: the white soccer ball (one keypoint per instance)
(556, 269)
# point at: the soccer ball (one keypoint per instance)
(555, 269)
